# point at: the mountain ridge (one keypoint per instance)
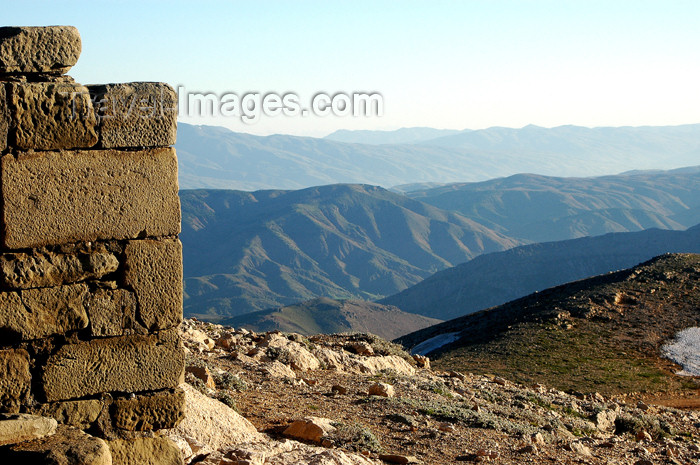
(493, 279)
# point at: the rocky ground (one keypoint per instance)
(357, 399)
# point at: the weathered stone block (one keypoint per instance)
(4, 118)
(124, 364)
(112, 312)
(50, 116)
(37, 313)
(136, 114)
(78, 413)
(15, 379)
(147, 412)
(69, 446)
(145, 451)
(154, 270)
(53, 49)
(43, 268)
(22, 427)
(71, 196)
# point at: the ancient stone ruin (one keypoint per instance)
(90, 262)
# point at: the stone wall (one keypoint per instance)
(90, 262)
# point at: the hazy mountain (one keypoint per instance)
(399, 136)
(600, 334)
(247, 251)
(214, 157)
(495, 278)
(671, 145)
(327, 316)
(540, 208)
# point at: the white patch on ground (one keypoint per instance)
(434, 343)
(685, 351)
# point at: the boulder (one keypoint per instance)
(211, 424)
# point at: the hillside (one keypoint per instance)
(247, 251)
(215, 157)
(369, 403)
(328, 316)
(496, 278)
(538, 208)
(600, 334)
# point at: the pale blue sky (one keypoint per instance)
(445, 64)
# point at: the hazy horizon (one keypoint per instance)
(440, 64)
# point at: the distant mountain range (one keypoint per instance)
(247, 251)
(495, 278)
(328, 316)
(215, 157)
(399, 136)
(601, 334)
(536, 208)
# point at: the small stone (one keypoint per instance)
(580, 449)
(529, 449)
(537, 438)
(381, 389)
(23, 427)
(447, 427)
(338, 389)
(395, 458)
(605, 420)
(360, 348)
(203, 374)
(422, 361)
(310, 429)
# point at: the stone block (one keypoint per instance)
(154, 270)
(145, 451)
(159, 410)
(15, 379)
(44, 268)
(53, 49)
(36, 313)
(23, 427)
(112, 312)
(52, 115)
(79, 413)
(136, 114)
(4, 118)
(73, 196)
(123, 364)
(69, 446)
